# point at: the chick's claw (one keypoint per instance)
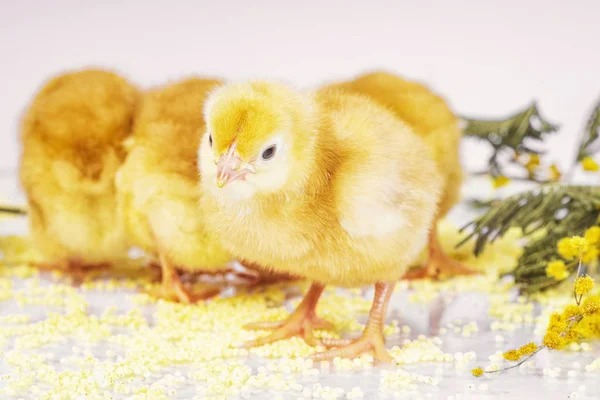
(172, 288)
(370, 342)
(449, 267)
(372, 339)
(296, 325)
(77, 270)
(317, 323)
(233, 275)
(264, 325)
(175, 291)
(439, 264)
(331, 342)
(302, 322)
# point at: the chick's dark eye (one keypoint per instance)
(269, 153)
(210, 140)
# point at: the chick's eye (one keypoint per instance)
(269, 153)
(210, 139)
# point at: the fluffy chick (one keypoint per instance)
(72, 145)
(429, 117)
(326, 185)
(158, 187)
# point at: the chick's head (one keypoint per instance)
(259, 139)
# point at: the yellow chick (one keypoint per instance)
(72, 145)
(326, 185)
(158, 187)
(429, 117)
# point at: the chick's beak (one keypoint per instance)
(229, 169)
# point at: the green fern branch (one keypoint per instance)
(590, 144)
(554, 210)
(513, 134)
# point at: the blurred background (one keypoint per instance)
(488, 59)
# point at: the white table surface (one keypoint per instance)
(455, 380)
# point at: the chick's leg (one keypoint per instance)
(172, 289)
(372, 339)
(439, 263)
(76, 269)
(302, 322)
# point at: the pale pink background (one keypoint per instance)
(488, 58)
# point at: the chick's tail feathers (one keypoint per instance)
(73, 179)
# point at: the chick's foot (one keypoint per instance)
(252, 275)
(370, 342)
(172, 288)
(438, 268)
(75, 269)
(302, 322)
(372, 339)
(175, 291)
(439, 264)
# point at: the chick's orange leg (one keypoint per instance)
(75, 268)
(302, 322)
(372, 339)
(172, 288)
(439, 263)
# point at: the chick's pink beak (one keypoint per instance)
(229, 168)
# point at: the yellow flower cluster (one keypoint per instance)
(572, 247)
(557, 270)
(593, 235)
(554, 173)
(512, 355)
(515, 355)
(583, 285)
(499, 181)
(553, 340)
(529, 348)
(576, 322)
(591, 306)
(589, 164)
(585, 249)
(533, 163)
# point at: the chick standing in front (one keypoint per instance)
(72, 145)
(430, 118)
(326, 185)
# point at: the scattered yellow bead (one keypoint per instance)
(155, 335)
